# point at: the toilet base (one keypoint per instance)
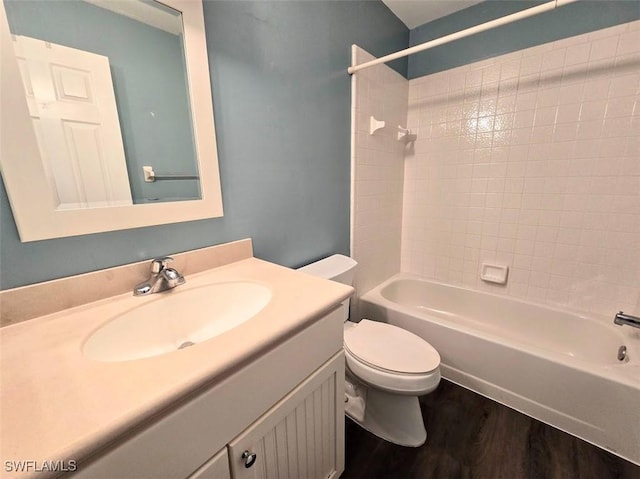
(394, 418)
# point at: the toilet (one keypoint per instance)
(387, 368)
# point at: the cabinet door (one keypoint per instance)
(215, 468)
(302, 436)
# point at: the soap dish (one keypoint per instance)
(494, 273)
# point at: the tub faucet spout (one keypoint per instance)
(622, 319)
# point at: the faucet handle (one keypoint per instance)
(158, 264)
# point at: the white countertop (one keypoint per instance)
(58, 405)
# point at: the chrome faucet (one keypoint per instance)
(622, 319)
(162, 278)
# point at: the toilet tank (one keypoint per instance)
(338, 268)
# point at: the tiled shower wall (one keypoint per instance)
(377, 171)
(531, 160)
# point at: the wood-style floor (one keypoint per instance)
(469, 436)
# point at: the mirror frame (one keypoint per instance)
(31, 197)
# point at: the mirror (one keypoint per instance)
(108, 122)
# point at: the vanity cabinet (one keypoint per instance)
(215, 468)
(300, 437)
(286, 406)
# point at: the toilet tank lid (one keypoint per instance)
(330, 267)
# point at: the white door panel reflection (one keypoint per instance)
(72, 104)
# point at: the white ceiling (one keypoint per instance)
(417, 12)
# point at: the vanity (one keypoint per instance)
(263, 398)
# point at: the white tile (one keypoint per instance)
(603, 48)
(531, 64)
(577, 54)
(593, 110)
(620, 107)
(596, 90)
(628, 42)
(568, 113)
(526, 101)
(548, 97)
(537, 168)
(553, 59)
(624, 85)
(509, 70)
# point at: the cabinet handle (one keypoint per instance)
(249, 458)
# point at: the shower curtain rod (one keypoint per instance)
(529, 12)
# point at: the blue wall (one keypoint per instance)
(567, 21)
(282, 112)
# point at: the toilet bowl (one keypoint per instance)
(387, 368)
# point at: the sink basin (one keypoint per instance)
(175, 320)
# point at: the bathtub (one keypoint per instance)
(559, 367)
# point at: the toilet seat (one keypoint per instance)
(391, 358)
(389, 348)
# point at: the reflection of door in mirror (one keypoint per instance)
(143, 42)
(73, 108)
